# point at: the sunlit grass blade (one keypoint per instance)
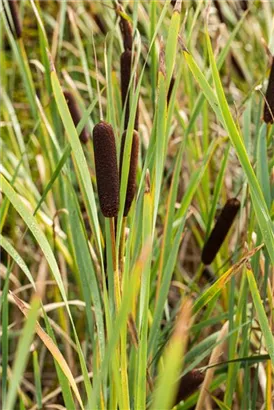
(171, 44)
(262, 318)
(22, 353)
(261, 211)
(78, 154)
(220, 283)
(173, 359)
(48, 342)
(5, 244)
(34, 227)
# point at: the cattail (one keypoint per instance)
(131, 184)
(244, 4)
(76, 115)
(208, 275)
(100, 23)
(125, 63)
(126, 31)
(220, 230)
(106, 169)
(268, 116)
(170, 89)
(15, 25)
(189, 383)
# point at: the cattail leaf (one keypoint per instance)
(42, 241)
(262, 165)
(262, 317)
(172, 41)
(13, 17)
(22, 353)
(51, 346)
(79, 42)
(79, 157)
(5, 244)
(220, 283)
(37, 232)
(260, 208)
(161, 135)
(220, 61)
(143, 316)
(167, 383)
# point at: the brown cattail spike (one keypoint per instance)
(126, 30)
(268, 116)
(170, 89)
(244, 4)
(15, 24)
(220, 230)
(125, 62)
(189, 383)
(131, 184)
(106, 169)
(76, 115)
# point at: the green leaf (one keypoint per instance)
(262, 317)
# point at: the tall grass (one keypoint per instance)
(105, 299)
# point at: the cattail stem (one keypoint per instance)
(122, 246)
(117, 288)
(122, 352)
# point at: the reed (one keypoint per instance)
(106, 169)
(220, 230)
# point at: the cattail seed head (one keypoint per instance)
(220, 230)
(125, 64)
(126, 31)
(16, 24)
(76, 115)
(106, 169)
(99, 22)
(268, 116)
(244, 4)
(170, 89)
(131, 184)
(189, 383)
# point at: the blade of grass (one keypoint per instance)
(257, 198)
(22, 353)
(219, 284)
(168, 379)
(5, 244)
(262, 317)
(48, 342)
